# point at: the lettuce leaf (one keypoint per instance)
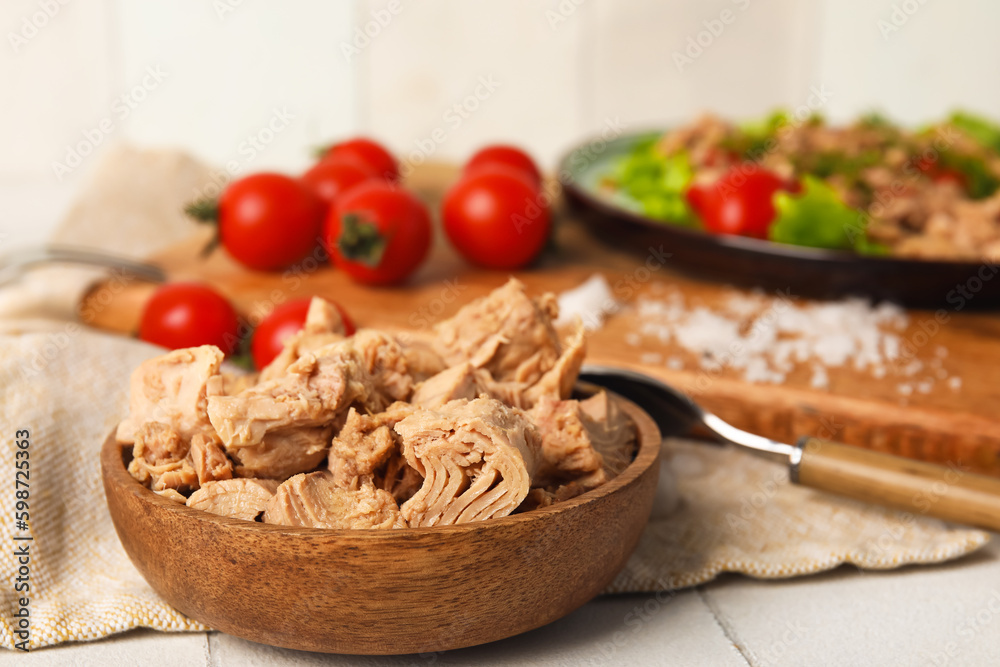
(819, 219)
(981, 129)
(657, 182)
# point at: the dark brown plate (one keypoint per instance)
(810, 272)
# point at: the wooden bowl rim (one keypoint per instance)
(648, 435)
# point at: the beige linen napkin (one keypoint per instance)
(723, 510)
(83, 586)
(717, 510)
(132, 205)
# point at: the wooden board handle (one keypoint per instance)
(949, 493)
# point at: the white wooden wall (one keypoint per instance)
(438, 77)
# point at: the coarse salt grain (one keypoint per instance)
(820, 379)
(592, 301)
(706, 331)
(764, 338)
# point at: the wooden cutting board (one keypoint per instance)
(959, 426)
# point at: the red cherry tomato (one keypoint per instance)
(925, 163)
(330, 178)
(367, 154)
(269, 221)
(495, 218)
(378, 233)
(741, 202)
(506, 155)
(946, 175)
(284, 322)
(188, 315)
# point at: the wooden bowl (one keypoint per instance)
(384, 591)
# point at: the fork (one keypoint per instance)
(918, 487)
(13, 265)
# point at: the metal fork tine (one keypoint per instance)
(13, 265)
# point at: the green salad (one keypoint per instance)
(871, 187)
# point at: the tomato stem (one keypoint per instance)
(203, 210)
(361, 241)
(206, 211)
(210, 247)
(241, 357)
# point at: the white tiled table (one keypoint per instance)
(943, 615)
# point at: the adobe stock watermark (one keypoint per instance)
(586, 155)
(562, 13)
(766, 489)
(699, 42)
(732, 356)
(362, 36)
(774, 653)
(945, 137)
(751, 505)
(453, 118)
(923, 502)
(966, 291)
(292, 280)
(615, 297)
(549, 192)
(629, 285)
(634, 621)
(247, 151)
(899, 16)
(928, 327)
(427, 314)
(33, 23)
(973, 625)
(224, 8)
(121, 108)
(816, 100)
(583, 156)
(56, 343)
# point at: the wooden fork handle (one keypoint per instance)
(949, 493)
